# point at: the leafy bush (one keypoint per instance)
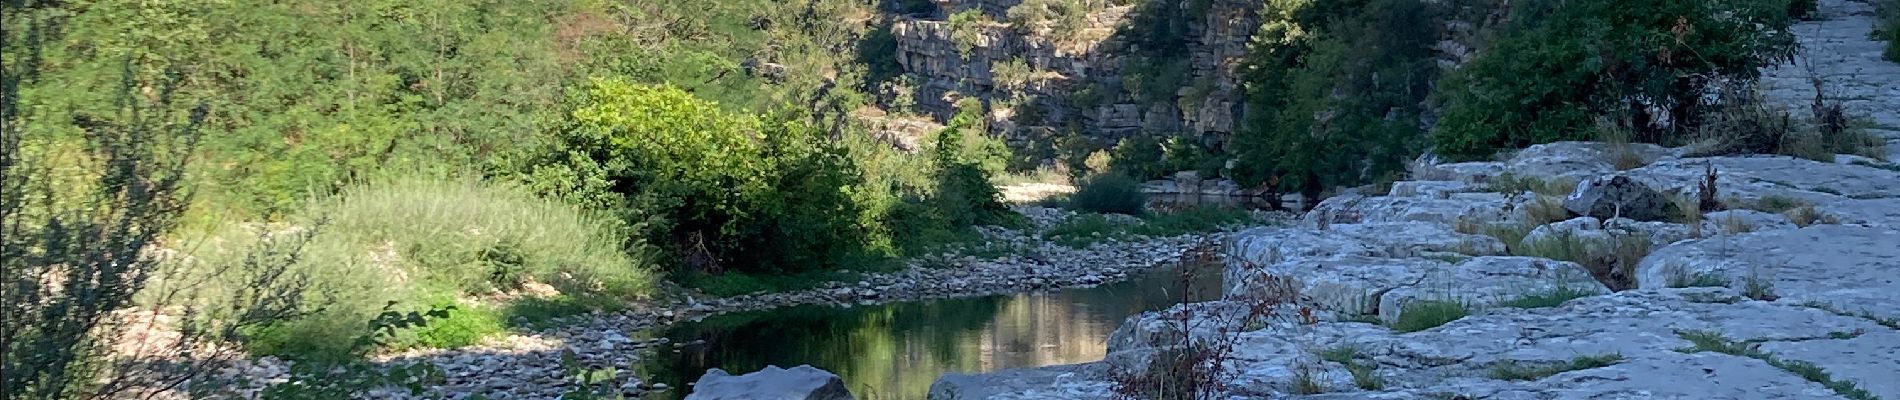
(1140, 157)
(1194, 219)
(1892, 29)
(1334, 92)
(714, 189)
(1603, 58)
(1063, 18)
(1086, 230)
(1108, 193)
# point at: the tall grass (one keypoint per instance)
(425, 243)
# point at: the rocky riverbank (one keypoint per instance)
(529, 364)
(1568, 271)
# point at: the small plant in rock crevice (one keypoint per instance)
(1303, 382)
(1518, 371)
(1808, 216)
(1428, 314)
(1679, 277)
(1713, 341)
(1363, 373)
(1546, 298)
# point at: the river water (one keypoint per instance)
(895, 350)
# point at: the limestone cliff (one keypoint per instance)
(1063, 69)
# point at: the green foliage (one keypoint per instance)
(1546, 298)
(1086, 230)
(1514, 371)
(1194, 219)
(1429, 314)
(1108, 193)
(967, 28)
(346, 374)
(1062, 18)
(423, 241)
(1597, 58)
(1713, 341)
(1892, 31)
(460, 326)
(715, 189)
(1324, 75)
(1140, 157)
(540, 313)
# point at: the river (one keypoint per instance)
(895, 350)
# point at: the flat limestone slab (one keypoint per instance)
(1853, 268)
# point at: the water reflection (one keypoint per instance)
(894, 351)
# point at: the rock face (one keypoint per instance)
(802, 382)
(1618, 196)
(1077, 77)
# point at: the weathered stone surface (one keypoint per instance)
(1644, 327)
(1743, 221)
(1430, 189)
(1867, 212)
(1744, 179)
(1579, 160)
(1617, 196)
(1847, 267)
(1836, 48)
(802, 382)
(1350, 209)
(1078, 381)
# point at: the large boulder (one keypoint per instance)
(802, 382)
(1618, 196)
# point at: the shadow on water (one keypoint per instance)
(895, 351)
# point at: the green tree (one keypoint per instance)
(719, 190)
(1336, 92)
(1557, 66)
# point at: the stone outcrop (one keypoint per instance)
(1061, 63)
(802, 382)
(1617, 196)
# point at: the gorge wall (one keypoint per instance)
(1042, 78)
(1037, 80)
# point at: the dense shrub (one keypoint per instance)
(1108, 193)
(1892, 30)
(1335, 93)
(1140, 157)
(714, 189)
(1558, 66)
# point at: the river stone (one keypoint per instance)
(802, 382)
(1618, 196)
(1852, 268)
